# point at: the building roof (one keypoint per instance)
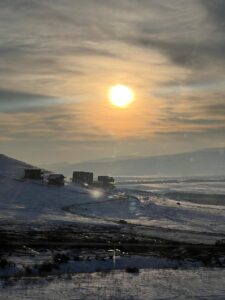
(56, 176)
(32, 169)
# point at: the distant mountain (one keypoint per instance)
(202, 162)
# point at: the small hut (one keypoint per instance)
(83, 177)
(33, 173)
(106, 180)
(56, 179)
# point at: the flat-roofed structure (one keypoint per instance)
(106, 179)
(82, 177)
(56, 179)
(33, 173)
(105, 182)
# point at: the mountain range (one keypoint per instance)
(202, 162)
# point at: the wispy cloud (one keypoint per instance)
(58, 58)
(15, 101)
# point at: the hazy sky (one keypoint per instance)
(58, 59)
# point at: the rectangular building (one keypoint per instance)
(56, 179)
(82, 177)
(33, 173)
(106, 179)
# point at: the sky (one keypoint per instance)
(59, 58)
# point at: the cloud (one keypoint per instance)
(16, 101)
(216, 9)
(192, 37)
(216, 109)
(186, 53)
(48, 38)
(45, 123)
(58, 58)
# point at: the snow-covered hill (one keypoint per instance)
(12, 167)
(35, 203)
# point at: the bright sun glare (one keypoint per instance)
(121, 96)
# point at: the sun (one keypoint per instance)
(121, 95)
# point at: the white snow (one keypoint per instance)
(12, 167)
(118, 285)
(34, 203)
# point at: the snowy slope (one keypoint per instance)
(12, 167)
(35, 203)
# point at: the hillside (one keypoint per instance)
(32, 201)
(12, 167)
(35, 203)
